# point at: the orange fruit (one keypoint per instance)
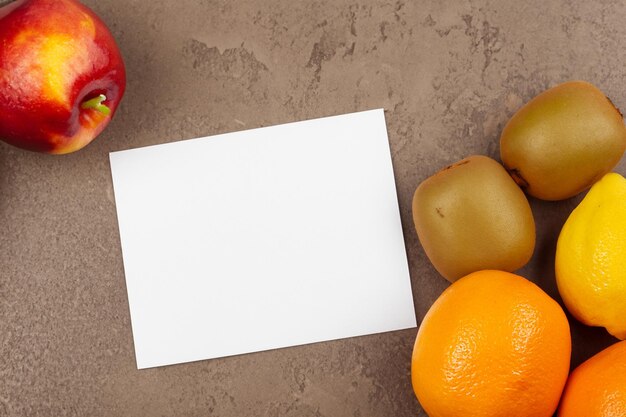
(597, 388)
(492, 345)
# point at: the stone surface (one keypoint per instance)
(448, 77)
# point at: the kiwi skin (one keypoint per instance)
(563, 141)
(472, 216)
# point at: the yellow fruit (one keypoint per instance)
(493, 345)
(563, 140)
(591, 257)
(472, 216)
(597, 388)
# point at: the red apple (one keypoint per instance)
(61, 75)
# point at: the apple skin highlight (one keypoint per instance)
(56, 57)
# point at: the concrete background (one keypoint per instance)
(449, 76)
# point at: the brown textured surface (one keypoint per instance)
(448, 78)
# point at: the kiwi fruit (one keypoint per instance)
(563, 141)
(472, 216)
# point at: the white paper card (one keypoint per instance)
(262, 239)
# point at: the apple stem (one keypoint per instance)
(96, 104)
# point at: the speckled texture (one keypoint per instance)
(448, 77)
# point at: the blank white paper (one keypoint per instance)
(262, 239)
